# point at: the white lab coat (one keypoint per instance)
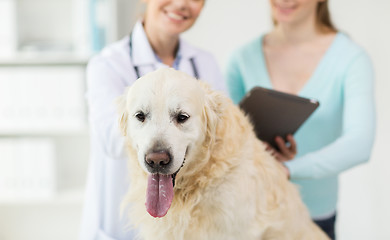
(108, 74)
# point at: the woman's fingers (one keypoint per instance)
(287, 151)
(293, 144)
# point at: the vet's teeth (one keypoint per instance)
(174, 16)
(286, 7)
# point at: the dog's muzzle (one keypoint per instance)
(161, 181)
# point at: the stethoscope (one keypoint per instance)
(136, 70)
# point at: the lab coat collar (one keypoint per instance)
(142, 52)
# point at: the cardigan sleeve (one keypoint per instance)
(358, 128)
(234, 79)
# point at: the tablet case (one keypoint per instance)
(275, 113)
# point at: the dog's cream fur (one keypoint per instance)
(229, 187)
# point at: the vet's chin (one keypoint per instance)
(162, 171)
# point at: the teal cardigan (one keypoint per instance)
(340, 133)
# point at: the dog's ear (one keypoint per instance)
(212, 111)
(123, 114)
(226, 123)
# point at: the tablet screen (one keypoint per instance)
(275, 113)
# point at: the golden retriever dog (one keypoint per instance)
(197, 170)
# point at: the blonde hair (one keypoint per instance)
(323, 18)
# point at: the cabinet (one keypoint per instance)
(44, 143)
(44, 147)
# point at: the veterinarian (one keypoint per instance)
(153, 43)
(306, 55)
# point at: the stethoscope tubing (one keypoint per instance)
(136, 69)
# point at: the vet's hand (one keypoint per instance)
(287, 150)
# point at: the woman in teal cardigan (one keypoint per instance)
(305, 55)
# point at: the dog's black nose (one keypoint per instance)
(157, 160)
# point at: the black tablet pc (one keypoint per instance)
(275, 113)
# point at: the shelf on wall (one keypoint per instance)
(64, 197)
(84, 131)
(40, 99)
(38, 59)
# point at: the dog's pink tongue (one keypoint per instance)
(159, 194)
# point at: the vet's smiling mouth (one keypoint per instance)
(159, 193)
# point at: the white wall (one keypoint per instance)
(364, 206)
(226, 24)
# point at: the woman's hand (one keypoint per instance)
(287, 150)
(286, 171)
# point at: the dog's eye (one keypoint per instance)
(140, 116)
(182, 117)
